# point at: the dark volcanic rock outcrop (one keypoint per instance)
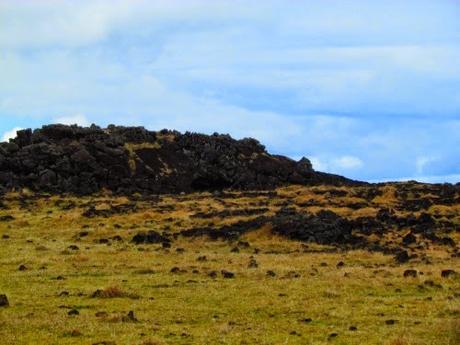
(72, 159)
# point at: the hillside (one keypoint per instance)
(126, 236)
(127, 160)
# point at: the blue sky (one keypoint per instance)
(366, 89)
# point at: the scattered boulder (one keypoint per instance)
(149, 238)
(402, 257)
(271, 273)
(212, 274)
(409, 239)
(227, 274)
(253, 263)
(410, 273)
(129, 317)
(4, 301)
(6, 218)
(448, 273)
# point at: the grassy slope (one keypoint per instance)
(191, 307)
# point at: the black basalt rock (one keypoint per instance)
(128, 160)
(149, 238)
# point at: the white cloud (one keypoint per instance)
(77, 119)
(10, 134)
(450, 178)
(318, 164)
(334, 165)
(348, 162)
(68, 23)
(422, 162)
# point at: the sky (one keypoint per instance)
(365, 89)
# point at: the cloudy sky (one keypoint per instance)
(367, 89)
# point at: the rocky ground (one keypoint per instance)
(349, 264)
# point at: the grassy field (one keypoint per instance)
(72, 279)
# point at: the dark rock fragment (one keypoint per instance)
(410, 273)
(448, 273)
(409, 239)
(149, 238)
(130, 317)
(253, 263)
(402, 257)
(271, 273)
(73, 312)
(212, 274)
(4, 301)
(227, 274)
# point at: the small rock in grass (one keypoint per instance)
(253, 264)
(227, 274)
(4, 301)
(175, 270)
(410, 273)
(129, 317)
(340, 264)
(402, 257)
(271, 273)
(409, 239)
(73, 312)
(448, 273)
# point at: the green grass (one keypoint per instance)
(193, 308)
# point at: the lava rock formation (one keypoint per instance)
(127, 160)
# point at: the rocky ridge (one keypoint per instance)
(127, 160)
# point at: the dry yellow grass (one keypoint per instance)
(309, 300)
